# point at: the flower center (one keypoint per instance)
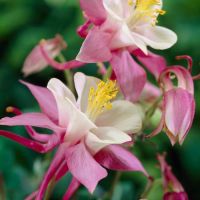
(147, 10)
(99, 99)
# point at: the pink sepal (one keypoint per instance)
(95, 48)
(153, 62)
(130, 76)
(117, 158)
(81, 164)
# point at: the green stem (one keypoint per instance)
(50, 189)
(68, 74)
(108, 74)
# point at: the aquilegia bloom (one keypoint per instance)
(173, 190)
(43, 54)
(178, 107)
(119, 28)
(87, 131)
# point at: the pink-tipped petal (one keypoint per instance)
(153, 62)
(31, 144)
(131, 77)
(94, 10)
(45, 99)
(31, 119)
(95, 48)
(183, 76)
(35, 61)
(179, 108)
(83, 166)
(74, 185)
(59, 66)
(83, 29)
(115, 157)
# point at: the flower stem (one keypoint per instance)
(50, 189)
(68, 74)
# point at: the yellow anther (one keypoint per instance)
(150, 8)
(99, 99)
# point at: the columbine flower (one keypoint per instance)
(121, 27)
(86, 130)
(173, 190)
(123, 24)
(178, 107)
(43, 55)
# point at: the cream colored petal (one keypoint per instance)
(124, 115)
(124, 38)
(60, 89)
(157, 37)
(100, 137)
(118, 9)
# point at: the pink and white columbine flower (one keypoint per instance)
(43, 54)
(178, 107)
(173, 190)
(119, 28)
(87, 131)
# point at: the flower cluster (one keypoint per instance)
(96, 130)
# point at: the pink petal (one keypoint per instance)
(94, 10)
(45, 99)
(83, 167)
(179, 108)
(31, 119)
(153, 62)
(131, 77)
(95, 48)
(172, 187)
(74, 185)
(115, 157)
(35, 61)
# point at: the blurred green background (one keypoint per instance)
(22, 24)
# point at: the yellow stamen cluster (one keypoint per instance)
(149, 8)
(99, 99)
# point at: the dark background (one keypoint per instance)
(25, 22)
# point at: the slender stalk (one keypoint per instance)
(108, 74)
(50, 189)
(68, 74)
(148, 188)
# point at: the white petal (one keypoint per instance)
(157, 37)
(83, 84)
(124, 37)
(117, 9)
(78, 125)
(100, 137)
(60, 89)
(124, 115)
